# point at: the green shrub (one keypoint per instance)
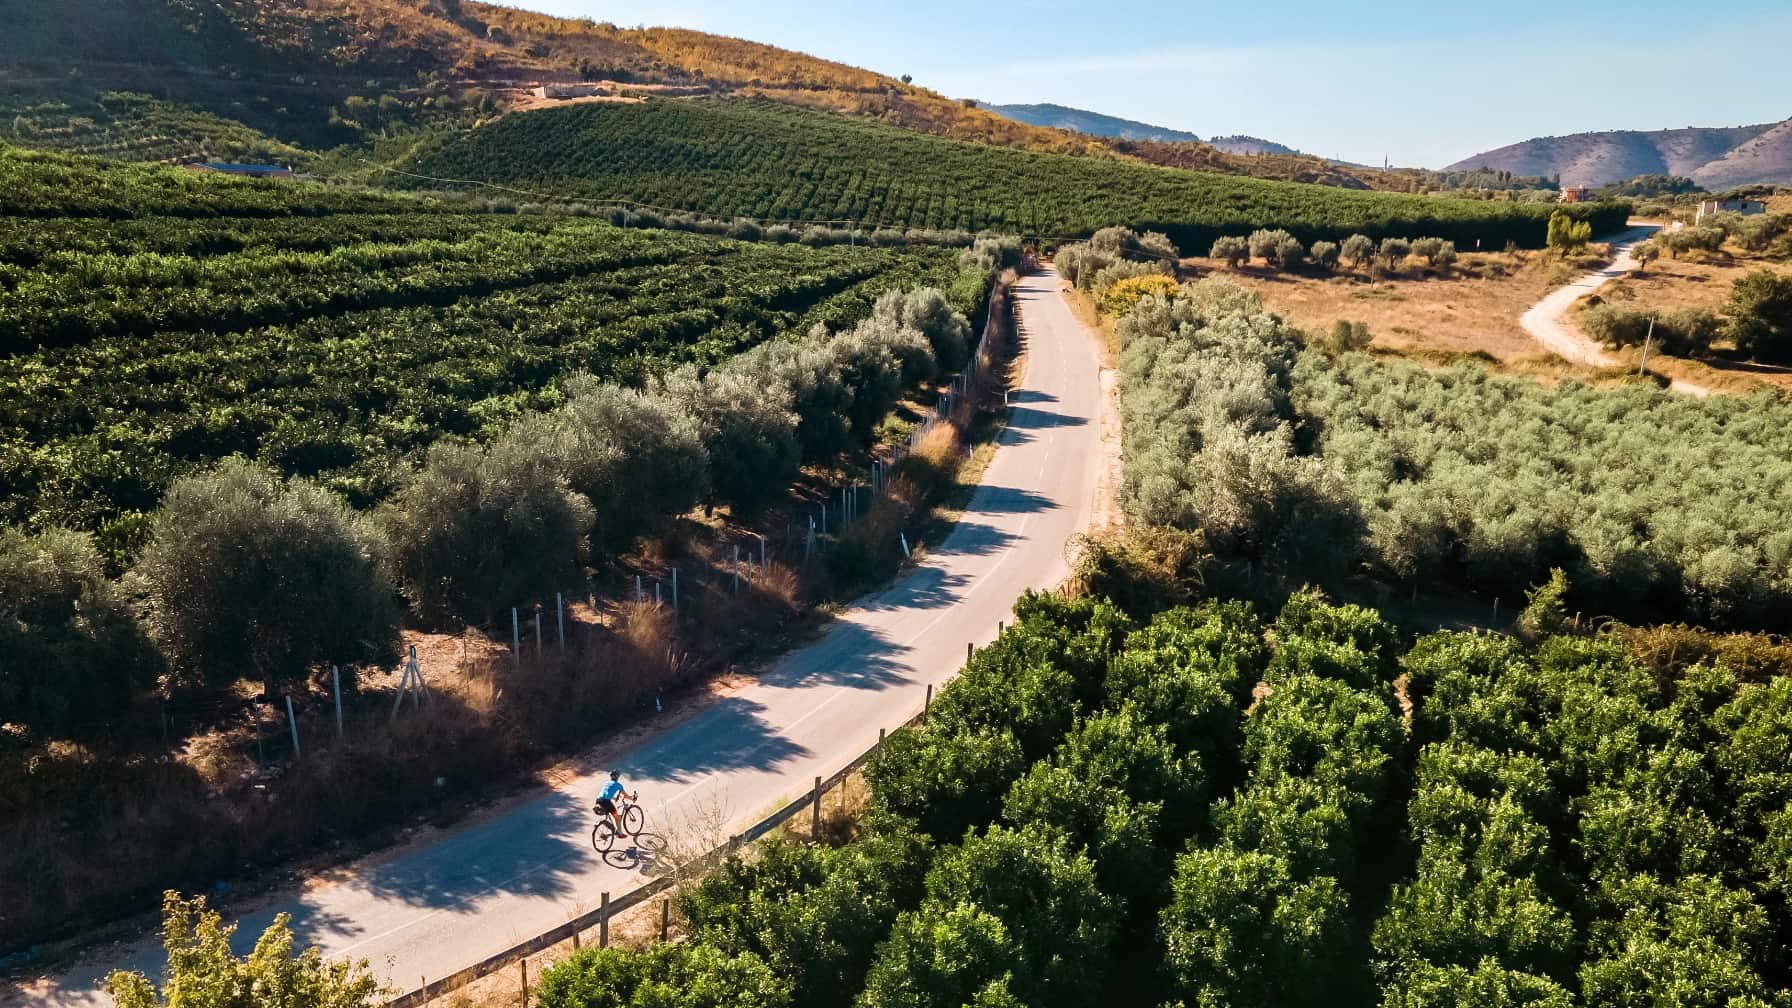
(474, 533)
(686, 975)
(71, 655)
(247, 573)
(1758, 316)
(203, 972)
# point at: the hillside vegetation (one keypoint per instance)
(156, 320)
(318, 73)
(770, 161)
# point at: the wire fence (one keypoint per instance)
(607, 910)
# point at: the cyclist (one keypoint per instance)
(606, 800)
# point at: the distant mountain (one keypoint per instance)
(1241, 144)
(1715, 157)
(1092, 123)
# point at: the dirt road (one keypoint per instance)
(431, 909)
(1547, 320)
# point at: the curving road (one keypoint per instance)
(1547, 320)
(432, 909)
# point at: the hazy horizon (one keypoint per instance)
(1347, 83)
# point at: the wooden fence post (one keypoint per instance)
(603, 921)
(925, 704)
(523, 966)
(665, 918)
(815, 812)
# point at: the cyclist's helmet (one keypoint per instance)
(615, 775)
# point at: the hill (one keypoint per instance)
(320, 73)
(1243, 144)
(1093, 123)
(1716, 158)
(281, 80)
(773, 162)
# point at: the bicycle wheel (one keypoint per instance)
(633, 820)
(603, 835)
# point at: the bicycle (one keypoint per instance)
(603, 834)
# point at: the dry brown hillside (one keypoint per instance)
(1717, 158)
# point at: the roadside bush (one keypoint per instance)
(246, 572)
(1108, 276)
(814, 914)
(474, 532)
(1014, 911)
(1119, 296)
(1687, 332)
(71, 655)
(685, 975)
(1143, 570)
(1565, 234)
(203, 972)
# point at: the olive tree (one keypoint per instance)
(1393, 252)
(1325, 255)
(247, 572)
(1358, 249)
(474, 532)
(926, 310)
(1289, 253)
(70, 652)
(1759, 316)
(1230, 249)
(634, 456)
(747, 429)
(1266, 243)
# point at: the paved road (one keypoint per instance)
(428, 911)
(1547, 320)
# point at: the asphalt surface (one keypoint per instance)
(431, 909)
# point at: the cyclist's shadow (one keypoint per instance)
(637, 856)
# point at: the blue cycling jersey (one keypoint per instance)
(611, 791)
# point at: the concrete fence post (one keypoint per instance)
(293, 723)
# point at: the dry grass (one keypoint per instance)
(1697, 281)
(1473, 309)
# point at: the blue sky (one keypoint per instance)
(1421, 84)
